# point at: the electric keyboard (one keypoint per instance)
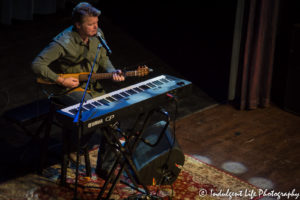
(113, 106)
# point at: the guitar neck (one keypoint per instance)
(83, 76)
(98, 76)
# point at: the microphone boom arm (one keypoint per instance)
(102, 41)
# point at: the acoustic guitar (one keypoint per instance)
(83, 76)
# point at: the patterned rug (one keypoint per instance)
(196, 180)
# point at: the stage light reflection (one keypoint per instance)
(262, 183)
(234, 167)
(202, 158)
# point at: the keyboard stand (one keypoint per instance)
(124, 154)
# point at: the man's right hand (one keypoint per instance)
(69, 82)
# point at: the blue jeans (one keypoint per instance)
(71, 98)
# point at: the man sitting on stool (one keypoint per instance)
(74, 51)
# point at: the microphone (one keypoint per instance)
(102, 41)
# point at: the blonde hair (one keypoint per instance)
(82, 10)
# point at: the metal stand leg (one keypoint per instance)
(124, 157)
(65, 157)
(87, 162)
(123, 160)
(79, 133)
(125, 153)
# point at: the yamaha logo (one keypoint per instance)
(100, 121)
(97, 122)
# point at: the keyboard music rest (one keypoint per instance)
(117, 105)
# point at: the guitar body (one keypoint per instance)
(74, 75)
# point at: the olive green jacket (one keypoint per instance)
(68, 54)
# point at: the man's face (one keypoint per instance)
(88, 27)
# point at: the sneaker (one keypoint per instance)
(73, 155)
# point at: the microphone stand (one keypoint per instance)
(77, 121)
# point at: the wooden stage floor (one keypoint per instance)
(259, 146)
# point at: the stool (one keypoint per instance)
(43, 111)
(28, 114)
(25, 115)
(65, 144)
(65, 159)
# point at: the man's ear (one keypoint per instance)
(77, 25)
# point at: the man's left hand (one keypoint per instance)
(118, 76)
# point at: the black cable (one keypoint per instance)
(174, 128)
(174, 120)
(171, 145)
(162, 131)
(174, 137)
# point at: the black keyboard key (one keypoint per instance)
(83, 109)
(103, 101)
(171, 79)
(124, 94)
(151, 85)
(110, 99)
(73, 111)
(89, 106)
(164, 80)
(131, 92)
(144, 87)
(117, 96)
(138, 89)
(157, 82)
(95, 103)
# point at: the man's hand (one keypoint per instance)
(69, 82)
(118, 76)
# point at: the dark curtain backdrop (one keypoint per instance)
(256, 57)
(25, 9)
